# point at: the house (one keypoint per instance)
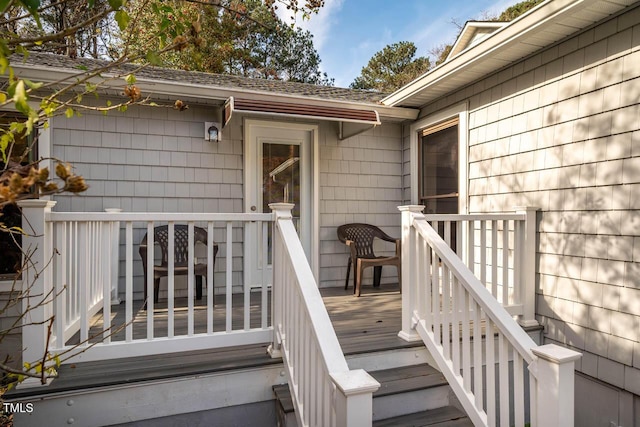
(547, 116)
(541, 112)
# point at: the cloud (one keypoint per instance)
(319, 24)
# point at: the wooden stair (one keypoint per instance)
(448, 416)
(413, 395)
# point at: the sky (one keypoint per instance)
(347, 33)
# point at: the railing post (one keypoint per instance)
(37, 295)
(280, 211)
(354, 398)
(113, 233)
(409, 277)
(527, 279)
(554, 372)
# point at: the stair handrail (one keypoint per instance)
(433, 318)
(325, 392)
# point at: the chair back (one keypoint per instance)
(361, 235)
(180, 243)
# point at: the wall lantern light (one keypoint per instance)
(212, 131)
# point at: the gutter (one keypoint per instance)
(217, 94)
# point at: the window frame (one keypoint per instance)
(461, 111)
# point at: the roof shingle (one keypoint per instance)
(206, 79)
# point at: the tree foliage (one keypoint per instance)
(392, 67)
(512, 12)
(255, 43)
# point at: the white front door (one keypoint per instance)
(277, 169)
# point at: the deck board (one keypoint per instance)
(365, 324)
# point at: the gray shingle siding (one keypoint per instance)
(561, 130)
(360, 181)
(156, 160)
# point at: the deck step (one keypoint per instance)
(403, 390)
(448, 416)
(409, 389)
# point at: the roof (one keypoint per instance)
(544, 25)
(472, 33)
(203, 79)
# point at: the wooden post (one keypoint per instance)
(409, 276)
(280, 211)
(554, 373)
(354, 400)
(37, 295)
(527, 279)
(114, 237)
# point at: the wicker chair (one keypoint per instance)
(359, 238)
(181, 256)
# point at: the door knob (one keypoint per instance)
(253, 208)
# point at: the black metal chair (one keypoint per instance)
(181, 256)
(359, 238)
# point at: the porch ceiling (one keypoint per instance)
(548, 23)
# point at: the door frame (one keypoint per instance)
(250, 126)
(461, 110)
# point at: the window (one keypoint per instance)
(22, 151)
(438, 167)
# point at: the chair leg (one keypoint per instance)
(358, 279)
(377, 274)
(156, 290)
(144, 285)
(399, 277)
(346, 282)
(198, 288)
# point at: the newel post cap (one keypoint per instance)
(411, 208)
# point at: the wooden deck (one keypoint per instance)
(366, 324)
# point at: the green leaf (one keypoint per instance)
(82, 67)
(3, 97)
(5, 140)
(122, 108)
(122, 18)
(109, 103)
(31, 121)
(130, 79)
(20, 98)
(68, 113)
(33, 85)
(91, 3)
(4, 64)
(116, 4)
(154, 58)
(11, 90)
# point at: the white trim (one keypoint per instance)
(249, 176)
(9, 285)
(462, 111)
(546, 24)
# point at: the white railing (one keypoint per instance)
(475, 342)
(324, 391)
(500, 250)
(82, 254)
